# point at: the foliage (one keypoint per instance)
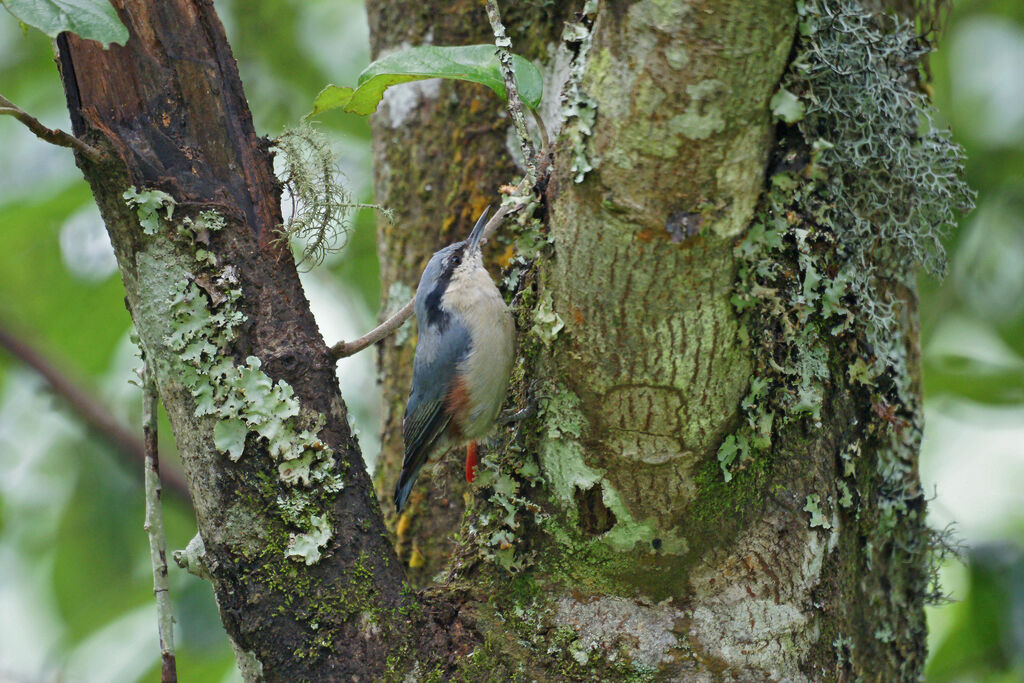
(473, 63)
(91, 19)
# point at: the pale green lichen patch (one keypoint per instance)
(818, 517)
(547, 322)
(561, 456)
(628, 532)
(579, 111)
(148, 204)
(307, 545)
(244, 404)
(703, 117)
(663, 15)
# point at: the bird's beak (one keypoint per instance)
(478, 230)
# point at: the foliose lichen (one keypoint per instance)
(243, 402)
(579, 111)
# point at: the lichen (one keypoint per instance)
(864, 185)
(579, 110)
(700, 120)
(318, 203)
(147, 205)
(242, 402)
(645, 632)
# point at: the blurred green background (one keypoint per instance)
(75, 582)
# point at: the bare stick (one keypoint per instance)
(54, 136)
(344, 349)
(155, 529)
(84, 405)
(515, 104)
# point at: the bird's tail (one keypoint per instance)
(404, 486)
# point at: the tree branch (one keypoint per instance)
(54, 136)
(344, 349)
(155, 529)
(515, 104)
(85, 406)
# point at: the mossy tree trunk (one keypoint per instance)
(722, 478)
(720, 483)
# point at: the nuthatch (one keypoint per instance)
(463, 359)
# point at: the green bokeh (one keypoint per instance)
(71, 509)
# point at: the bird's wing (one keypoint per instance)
(426, 415)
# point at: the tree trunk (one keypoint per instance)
(720, 483)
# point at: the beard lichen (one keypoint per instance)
(318, 203)
(863, 187)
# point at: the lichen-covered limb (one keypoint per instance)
(515, 104)
(155, 529)
(295, 545)
(51, 135)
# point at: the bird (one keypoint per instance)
(464, 355)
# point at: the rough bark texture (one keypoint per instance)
(721, 480)
(170, 111)
(440, 155)
(705, 495)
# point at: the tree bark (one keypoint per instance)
(168, 109)
(720, 483)
(440, 155)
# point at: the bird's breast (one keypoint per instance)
(485, 370)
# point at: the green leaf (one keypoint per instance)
(91, 19)
(474, 63)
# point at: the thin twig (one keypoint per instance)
(155, 529)
(54, 136)
(515, 104)
(344, 349)
(91, 412)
